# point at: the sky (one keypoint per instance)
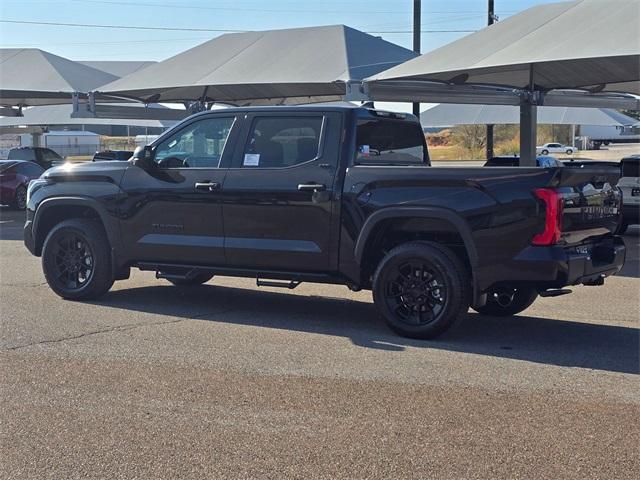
(442, 22)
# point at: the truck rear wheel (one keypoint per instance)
(421, 289)
(76, 260)
(504, 301)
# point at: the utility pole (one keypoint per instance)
(417, 11)
(491, 18)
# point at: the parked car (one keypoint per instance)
(514, 161)
(15, 176)
(106, 155)
(329, 194)
(45, 157)
(630, 185)
(548, 148)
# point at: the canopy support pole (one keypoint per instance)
(417, 14)
(489, 142)
(528, 133)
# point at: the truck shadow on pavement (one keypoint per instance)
(539, 340)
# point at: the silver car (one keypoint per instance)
(548, 148)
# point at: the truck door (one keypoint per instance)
(279, 192)
(173, 212)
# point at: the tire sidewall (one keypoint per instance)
(444, 267)
(101, 278)
(545, 152)
(16, 204)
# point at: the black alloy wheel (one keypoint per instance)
(416, 292)
(76, 259)
(421, 289)
(73, 260)
(20, 201)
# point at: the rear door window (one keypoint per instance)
(279, 142)
(386, 141)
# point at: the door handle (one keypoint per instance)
(311, 187)
(210, 186)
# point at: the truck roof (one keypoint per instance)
(360, 110)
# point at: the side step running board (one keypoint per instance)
(555, 293)
(278, 284)
(190, 274)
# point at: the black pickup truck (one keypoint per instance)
(329, 194)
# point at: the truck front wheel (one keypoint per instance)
(421, 289)
(76, 260)
(504, 301)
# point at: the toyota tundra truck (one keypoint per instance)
(329, 194)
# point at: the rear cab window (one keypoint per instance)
(390, 141)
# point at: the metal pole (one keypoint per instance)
(528, 133)
(490, 20)
(417, 12)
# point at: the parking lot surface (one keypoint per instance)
(226, 380)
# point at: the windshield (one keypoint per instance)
(390, 142)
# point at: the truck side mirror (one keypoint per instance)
(143, 157)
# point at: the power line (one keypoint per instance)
(263, 10)
(127, 27)
(187, 29)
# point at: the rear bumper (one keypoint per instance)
(556, 266)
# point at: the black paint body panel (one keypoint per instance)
(257, 220)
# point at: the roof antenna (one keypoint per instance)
(367, 105)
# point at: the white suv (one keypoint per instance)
(548, 148)
(630, 185)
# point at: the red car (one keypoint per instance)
(15, 176)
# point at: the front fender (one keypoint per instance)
(109, 222)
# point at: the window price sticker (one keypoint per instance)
(251, 160)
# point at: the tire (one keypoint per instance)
(421, 289)
(76, 260)
(569, 151)
(499, 305)
(20, 199)
(199, 279)
(545, 152)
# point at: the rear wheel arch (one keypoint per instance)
(388, 228)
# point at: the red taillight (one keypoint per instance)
(553, 217)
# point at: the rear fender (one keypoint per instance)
(458, 224)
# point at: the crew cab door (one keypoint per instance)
(280, 192)
(173, 213)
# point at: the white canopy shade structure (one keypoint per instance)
(119, 68)
(588, 45)
(447, 114)
(298, 65)
(30, 76)
(35, 118)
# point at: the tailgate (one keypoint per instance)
(591, 201)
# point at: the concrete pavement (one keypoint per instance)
(229, 381)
